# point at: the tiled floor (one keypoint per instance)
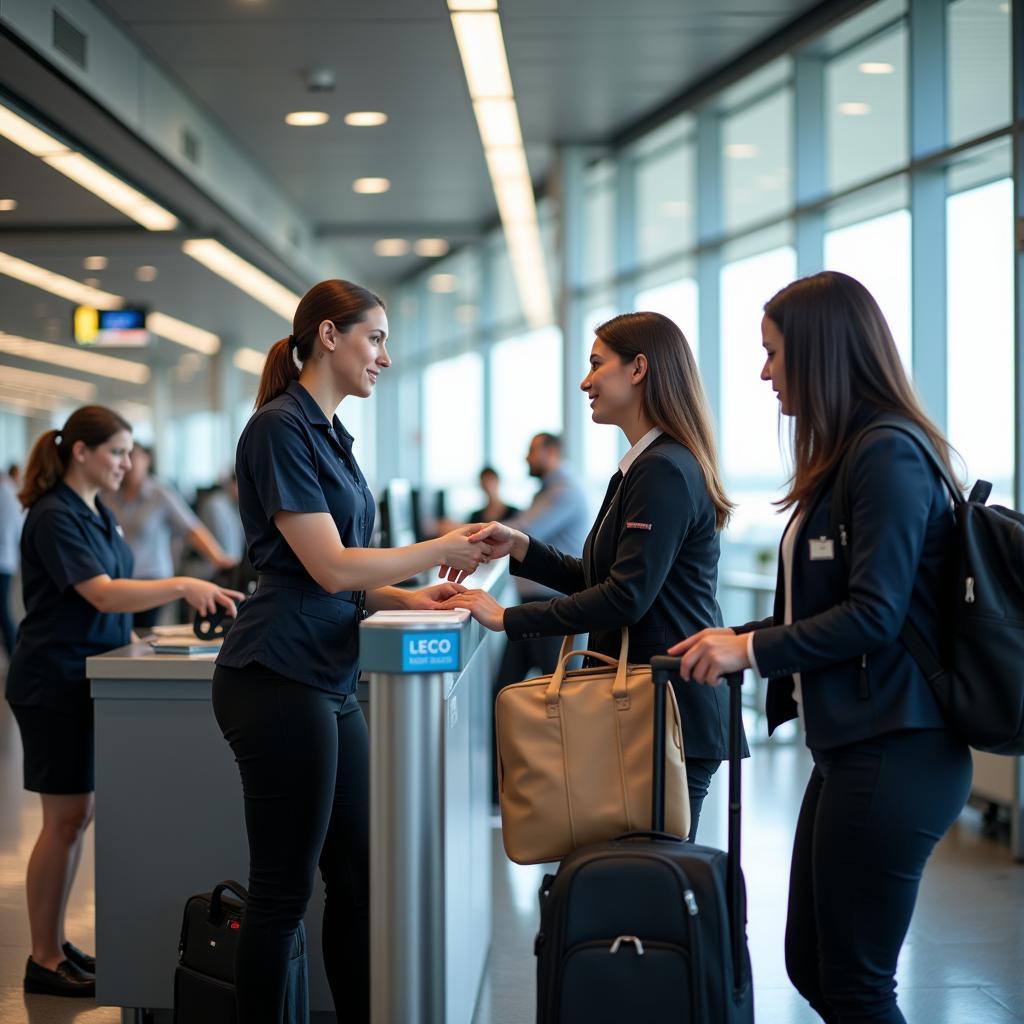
(963, 962)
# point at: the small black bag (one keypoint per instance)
(981, 688)
(204, 982)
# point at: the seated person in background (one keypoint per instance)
(496, 508)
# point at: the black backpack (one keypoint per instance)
(981, 689)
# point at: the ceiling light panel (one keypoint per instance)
(243, 275)
(6, 205)
(498, 122)
(371, 186)
(366, 118)
(431, 248)
(26, 135)
(472, 5)
(183, 333)
(482, 47)
(391, 247)
(49, 384)
(57, 284)
(249, 360)
(84, 361)
(307, 118)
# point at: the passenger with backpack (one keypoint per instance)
(890, 775)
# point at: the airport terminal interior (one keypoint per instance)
(506, 175)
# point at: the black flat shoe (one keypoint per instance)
(81, 960)
(66, 980)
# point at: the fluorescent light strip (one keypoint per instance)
(478, 35)
(243, 275)
(249, 360)
(17, 400)
(90, 175)
(95, 363)
(48, 384)
(57, 284)
(183, 333)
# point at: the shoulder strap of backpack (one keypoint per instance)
(910, 637)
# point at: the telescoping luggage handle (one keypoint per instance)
(662, 670)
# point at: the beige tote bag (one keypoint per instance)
(575, 753)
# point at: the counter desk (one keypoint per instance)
(169, 817)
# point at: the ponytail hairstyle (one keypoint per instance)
(50, 455)
(673, 396)
(343, 303)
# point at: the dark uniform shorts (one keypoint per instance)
(58, 748)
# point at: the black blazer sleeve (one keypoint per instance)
(550, 567)
(656, 495)
(891, 487)
(755, 624)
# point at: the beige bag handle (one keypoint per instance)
(620, 690)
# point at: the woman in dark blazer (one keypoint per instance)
(889, 777)
(650, 561)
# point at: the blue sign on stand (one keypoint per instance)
(430, 652)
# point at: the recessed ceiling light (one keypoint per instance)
(183, 333)
(741, 150)
(854, 108)
(57, 284)
(443, 284)
(307, 118)
(472, 5)
(366, 118)
(146, 273)
(8, 204)
(95, 263)
(249, 360)
(74, 359)
(370, 186)
(431, 247)
(876, 67)
(390, 247)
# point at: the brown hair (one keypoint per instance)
(673, 397)
(48, 460)
(341, 302)
(840, 363)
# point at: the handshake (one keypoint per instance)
(459, 552)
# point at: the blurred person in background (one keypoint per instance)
(496, 507)
(152, 514)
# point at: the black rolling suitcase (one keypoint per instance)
(204, 982)
(648, 928)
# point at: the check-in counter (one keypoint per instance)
(169, 816)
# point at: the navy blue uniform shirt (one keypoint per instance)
(63, 543)
(291, 458)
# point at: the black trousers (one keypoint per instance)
(871, 816)
(698, 778)
(7, 629)
(304, 761)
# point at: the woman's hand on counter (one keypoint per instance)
(431, 598)
(482, 607)
(205, 597)
(709, 655)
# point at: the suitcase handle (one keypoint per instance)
(218, 890)
(662, 669)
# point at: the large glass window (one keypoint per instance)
(453, 411)
(525, 399)
(866, 109)
(877, 253)
(980, 324)
(979, 96)
(666, 221)
(750, 423)
(757, 143)
(599, 258)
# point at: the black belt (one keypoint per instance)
(307, 586)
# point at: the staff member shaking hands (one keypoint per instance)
(79, 600)
(284, 686)
(889, 778)
(650, 561)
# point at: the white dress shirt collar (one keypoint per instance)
(639, 448)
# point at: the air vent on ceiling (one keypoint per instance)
(69, 40)
(190, 145)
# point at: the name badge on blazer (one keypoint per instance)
(823, 549)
